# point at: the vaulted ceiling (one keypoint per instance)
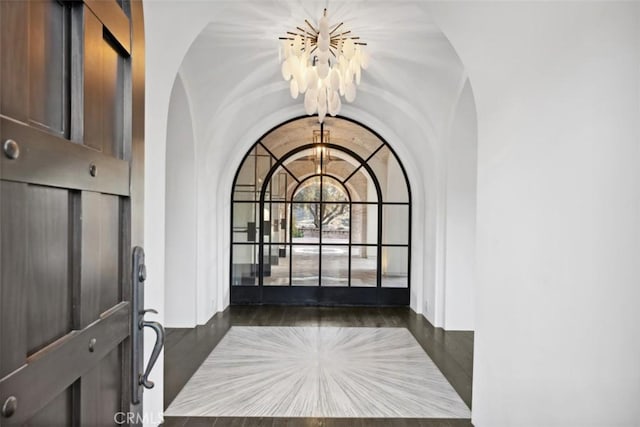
(232, 72)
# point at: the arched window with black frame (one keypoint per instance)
(321, 214)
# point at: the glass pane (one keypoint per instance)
(266, 227)
(337, 131)
(361, 187)
(285, 138)
(245, 185)
(279, 214)
(335, 266)
(281, 184)
(276, 266)
(244, 222)
(333, 190)
(305, 265)
(395, 224)
(306, 220)
(389, 174)
(351, 136)
(264, 161)
(242, 192)
(303, 164)
(308, 191)
(364, 224)
(245, 266)
(395, 267)
(335, 222)
(364, 266)
(340, 164)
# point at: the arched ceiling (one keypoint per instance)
(232, 71)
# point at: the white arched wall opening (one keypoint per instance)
(181, 213)
(248, 104)
(411, 97)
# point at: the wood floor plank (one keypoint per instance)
(174, 421)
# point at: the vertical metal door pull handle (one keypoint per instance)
(160, 335)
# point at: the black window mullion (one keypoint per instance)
(379, 258)
(283, 224)
(276, 158)
(255, 174)
(366, 161)
(350, 242)
(291, 243)
(261, 243)
(320, 213)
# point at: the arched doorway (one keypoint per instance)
(321, 215)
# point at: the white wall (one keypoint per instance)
(557, 91)
(180, 227)
(460, 215)
(163, 57)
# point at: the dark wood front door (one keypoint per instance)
(71, 116)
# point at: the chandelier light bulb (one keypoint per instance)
(324, 61)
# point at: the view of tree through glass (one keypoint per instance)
(313, 210)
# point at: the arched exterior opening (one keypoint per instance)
(321, 214)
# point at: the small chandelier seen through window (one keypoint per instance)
(324, 62)
(321, 154)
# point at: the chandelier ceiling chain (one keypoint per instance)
(324, 63)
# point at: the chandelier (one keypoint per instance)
(324, 63)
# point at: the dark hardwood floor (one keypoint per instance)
(186, 349)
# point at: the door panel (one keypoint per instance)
(38, 67)
(48, 66)
(103, 89)
(46, 374)
(48, 279)
(57, 413)
(99, 272)
(15, 270)
(100, 391)
(68, 101)
(14, 24)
